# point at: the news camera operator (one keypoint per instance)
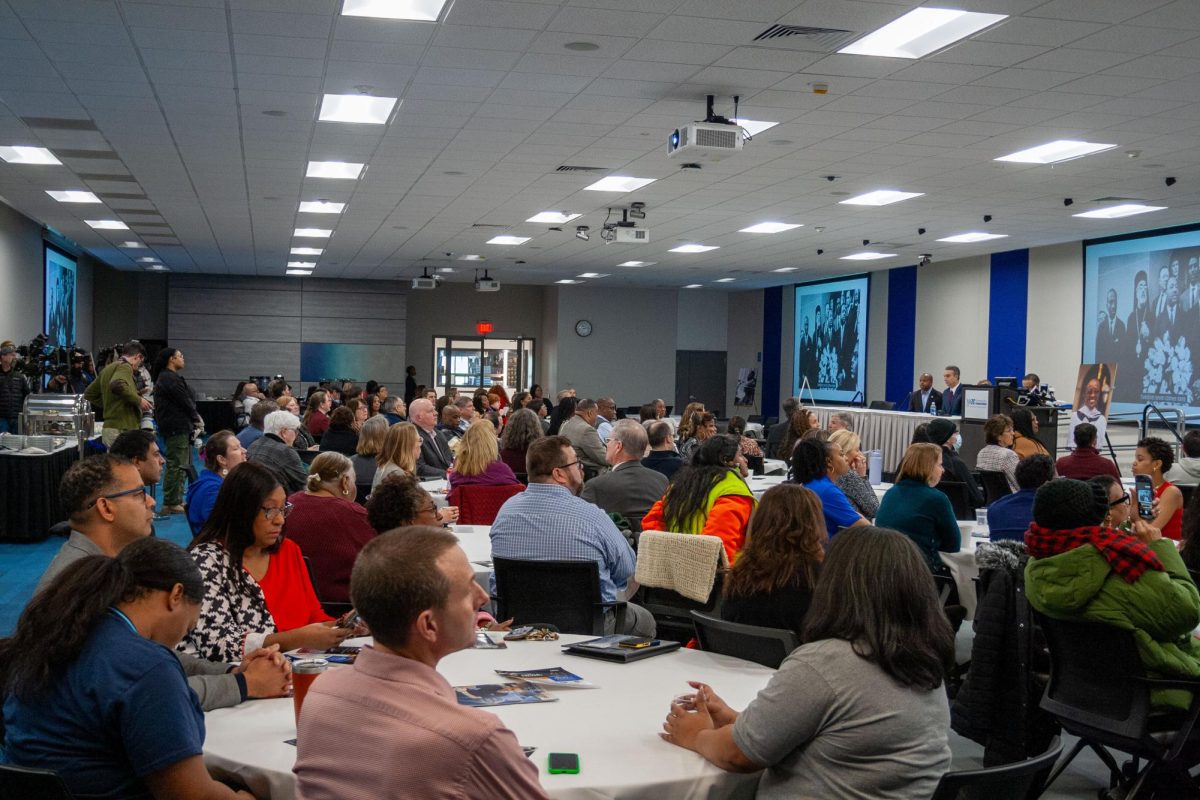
(14, 387)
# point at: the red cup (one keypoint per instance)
(303, 674)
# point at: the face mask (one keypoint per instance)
(957, 442)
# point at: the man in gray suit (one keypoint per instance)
(630, 489)
(581, 431)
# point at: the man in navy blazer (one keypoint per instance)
(951, 405)
(920, 398)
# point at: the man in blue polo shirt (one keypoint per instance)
(1009, 517)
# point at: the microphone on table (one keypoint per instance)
(860, 398)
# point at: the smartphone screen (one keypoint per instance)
(1145, 496)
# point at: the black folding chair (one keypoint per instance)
(332, 608)
(1020, 780)
(766, 646)
(364, 492)
(672, 611)
(960, 501)
(995, 485)
(23, 783)
(563, 593)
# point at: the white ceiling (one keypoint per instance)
(205, 113)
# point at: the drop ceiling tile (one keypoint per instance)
(270, 65)
(1159, 67)
(990, 54)
(707, 31)
(1138, 39)
(1041, 32)
(1180, 14)
(677, 52)
(1063, 101)
(176, 17)
(480, 37)
(282, 24)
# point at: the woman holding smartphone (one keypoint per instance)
(1153, 458)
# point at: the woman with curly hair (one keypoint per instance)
(1154, 457)
(771, 584)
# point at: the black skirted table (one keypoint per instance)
(217, 415)
(29, 504)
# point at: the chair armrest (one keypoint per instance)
(1193, 712)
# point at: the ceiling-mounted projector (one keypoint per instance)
(486, 283)
(632, 235)
(704, 141)
(425, 281)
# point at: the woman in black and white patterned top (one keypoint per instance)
(247, 565)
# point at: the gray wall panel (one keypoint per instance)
(346, 330)
(217, 302)
(354, 305)
(234, 328)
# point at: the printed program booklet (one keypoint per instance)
(501, 694)
(550, 677)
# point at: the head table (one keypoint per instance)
(613, 728)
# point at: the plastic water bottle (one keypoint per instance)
(875, 467)
(933, 408)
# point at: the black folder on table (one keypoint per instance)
(610, 648)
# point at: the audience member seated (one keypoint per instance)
(841, 421)
(687, 423)
(370, 444)
(536, 398)
(567, 528)
(945, 435)
(819, 466)
(417, 592)
(316, 414)
(748, 446)
(1186, 471)
(922, 513)
(854, 483)
(91, 688)
(449, 426)
(708, 497)
(662, 456)
(860, 709)
(478, 462)
(328, 526)
(341, 437)
(140, 448)
(358, 407)
(304, 439)
(1009, 517)
(704, 427)
(563, 411)
(924, 397)
(399, 454)
(522, 428)
(1025, 428)
(1085, 461)
(580, 430)
(1079, 570)
(392, 408)
(254, 429)
(275, 452)
(606, 415)
(800, 424)
(630, 489)
(771, 584)
(1154, 457)
(920, 434)
(399, 501)
(997, 455)
(466, 411)
(256, 588)
(435, 456)
(221, 453)
(777, 432)
(1120, 506)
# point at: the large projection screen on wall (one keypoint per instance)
(1141, 310)
(59, 297)
(831, 339)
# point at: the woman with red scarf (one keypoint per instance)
(1080, 570)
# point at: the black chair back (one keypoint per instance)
(672, 611)
(523, 477)
(1020, 780)
(881, 405)
(995, 485)
(364, 492)
(23, 783)
(759, 418)
(563, 593)
(769, 421)
(333, 608)
(755, 463)
(959, 499)
(1186, 491)
(766, 646)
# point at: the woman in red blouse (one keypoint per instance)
(328, 525)
(316, 414)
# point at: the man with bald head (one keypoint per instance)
(921, 398)
(435, 453)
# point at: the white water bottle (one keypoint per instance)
(875, 467)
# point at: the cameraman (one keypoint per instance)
(13, 388)
(115, 393)
(59, 382)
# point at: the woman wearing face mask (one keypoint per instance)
(944, 433)
(919, 511)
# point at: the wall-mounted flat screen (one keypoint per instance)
(1141, 310)
(59, 316)
(831, 339)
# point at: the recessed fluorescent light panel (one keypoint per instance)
(769, 227)
(568, 280)
(973, 236)
(360, 108)
(471, 257)
(553, 217)
(1123, 210)
(132, 245)
(419, 10)
(920, 32)
(504, 239)
(694, 248)
(1056, 151)
(445, 269)
(338, 170)
(28, 155)
(754, 126)
(157, 268)
(313, 233)
(636, 263)
(302, 264)
(694, 286)
(785, 269)
(148, 260)
(321, 207)
(302, 272)
(592, 275)
(73, 196)
(725, 280)
(107, 224)
(307, 251)
(619, 183)
(882, 197)
(867, 256)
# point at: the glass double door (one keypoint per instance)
(471, 362)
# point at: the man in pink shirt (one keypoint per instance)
(389, 726)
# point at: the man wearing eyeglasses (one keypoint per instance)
(549, 522)
(107, 504)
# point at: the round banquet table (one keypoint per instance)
(613, 728)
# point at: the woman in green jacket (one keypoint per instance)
(1080, 570)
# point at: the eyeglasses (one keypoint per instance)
(140, 491)
(271, 512)
(432, 509)
(1123, 500)
(568, 465)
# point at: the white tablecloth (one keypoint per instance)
(438, 489)
(476, 542)
(887, 431)
(613, 728)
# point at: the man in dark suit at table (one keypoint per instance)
(435, 455)
(920, 398)
(951, 403)
(630, 489)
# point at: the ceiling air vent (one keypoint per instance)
(59, 124)
(826, 38)
(574, 168)
(489, 225)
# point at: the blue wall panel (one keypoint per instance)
(772, 342)
(1008, 311)
(901, 332)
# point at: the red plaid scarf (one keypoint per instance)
(1128, 557)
